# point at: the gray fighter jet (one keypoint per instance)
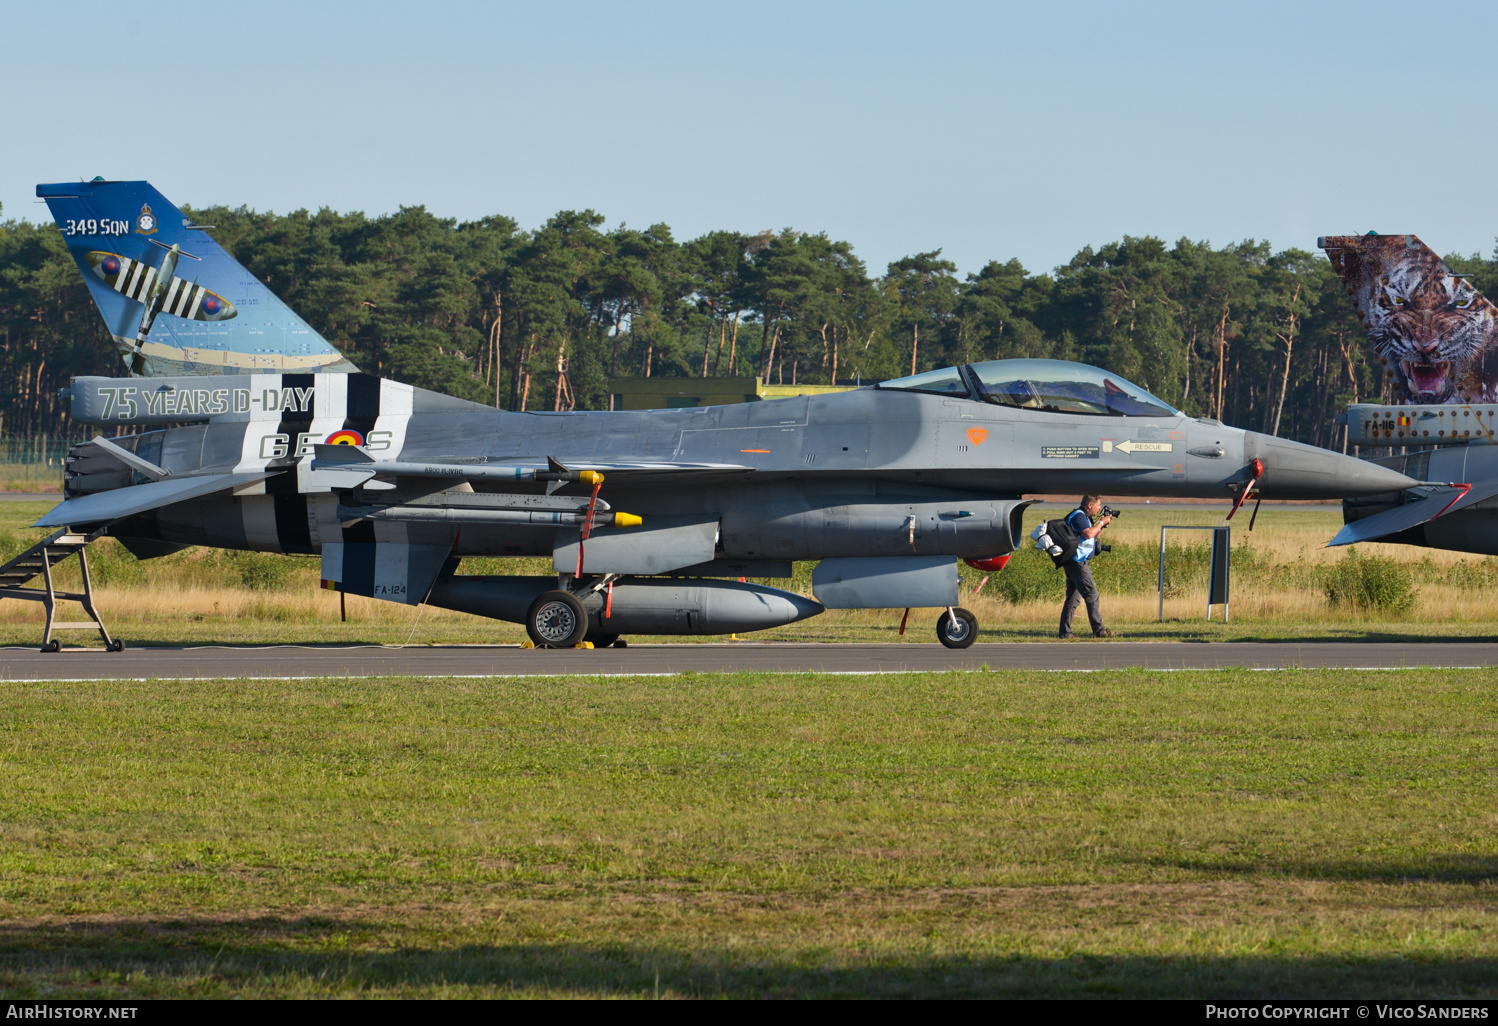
(650, 518)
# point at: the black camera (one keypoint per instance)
(1105, 548)
(1109, 511)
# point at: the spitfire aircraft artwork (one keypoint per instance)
(247, 430)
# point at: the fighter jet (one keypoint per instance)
(1437, 339)
(650, 518)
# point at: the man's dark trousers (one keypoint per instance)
(1079, 588)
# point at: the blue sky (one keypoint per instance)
(989, 130)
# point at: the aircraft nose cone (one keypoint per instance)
(1296, 471)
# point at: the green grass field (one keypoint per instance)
(1135, 834)
(1028, 834)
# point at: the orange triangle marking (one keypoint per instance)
(977, 435)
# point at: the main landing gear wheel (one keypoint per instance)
(957, 628)
(556, 620)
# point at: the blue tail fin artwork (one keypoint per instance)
(173, 299)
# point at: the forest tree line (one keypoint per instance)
(541, 319)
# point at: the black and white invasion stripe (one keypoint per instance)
(183, 298)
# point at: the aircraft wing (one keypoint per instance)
(1402, 518)
(122, 502)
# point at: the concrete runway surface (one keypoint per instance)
(295, 661)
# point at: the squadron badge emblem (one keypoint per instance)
(146, 223)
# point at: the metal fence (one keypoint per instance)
(32, 464)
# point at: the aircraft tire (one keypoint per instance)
(602, 640)
(556, 620)
(958, 629)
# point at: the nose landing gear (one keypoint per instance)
(957, 628)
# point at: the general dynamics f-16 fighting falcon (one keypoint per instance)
(250, 431)
(1437, 340)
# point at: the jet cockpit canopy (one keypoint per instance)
(1053, 386)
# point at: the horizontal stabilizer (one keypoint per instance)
(131, 460)
(1402, 518)
(123, 502)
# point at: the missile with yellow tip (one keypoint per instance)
(451, 515)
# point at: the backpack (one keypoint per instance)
(1057, 539)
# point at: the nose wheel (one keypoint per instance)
(957, 628)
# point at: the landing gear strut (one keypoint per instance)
(957, 628)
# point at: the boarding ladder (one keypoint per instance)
(38, 561)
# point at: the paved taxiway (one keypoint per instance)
(292, 661)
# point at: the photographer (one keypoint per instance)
(1079, 586)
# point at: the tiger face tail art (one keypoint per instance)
(1436, 336)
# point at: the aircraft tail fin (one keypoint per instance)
(1436, 335)
(173, 299)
